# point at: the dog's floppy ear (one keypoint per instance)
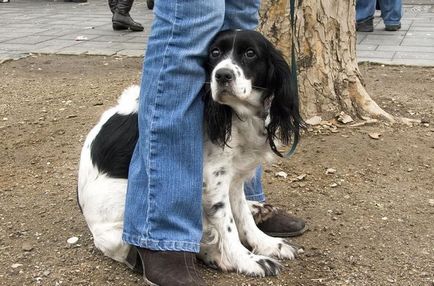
(285, 119)
(218, 120)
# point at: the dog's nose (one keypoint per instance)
(224, 75)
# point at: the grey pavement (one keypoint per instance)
(412, 45)
(58, 27)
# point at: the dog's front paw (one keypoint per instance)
(257, 265)
(276, 247)
(241, 261)
(270, 267)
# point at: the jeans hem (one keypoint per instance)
(258, 198)
(365, 19)
(387, 23)
(161, 245)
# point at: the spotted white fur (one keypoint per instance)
(228, 221)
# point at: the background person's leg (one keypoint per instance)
(391, 12)
(365, 9)
(163, 204)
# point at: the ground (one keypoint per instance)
(371, 221)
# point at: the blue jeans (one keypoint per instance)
(391, 10)
(163, 203)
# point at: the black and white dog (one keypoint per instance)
(249, 105)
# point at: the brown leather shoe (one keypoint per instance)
(165, 268)
(281, 224)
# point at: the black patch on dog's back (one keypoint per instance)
(113, 147)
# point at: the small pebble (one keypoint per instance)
(72, 240)
(281, 174)
(16, 265)
(27, 246)
(330, 171)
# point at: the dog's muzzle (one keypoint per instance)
(225, 79)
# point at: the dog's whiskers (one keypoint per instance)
(258, 87)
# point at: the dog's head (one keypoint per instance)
(249, 76)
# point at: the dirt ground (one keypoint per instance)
(371, 221)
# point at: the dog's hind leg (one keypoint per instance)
(108, 239)
(250, 234)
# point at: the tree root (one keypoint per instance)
(371, 109)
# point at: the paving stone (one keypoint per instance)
(102, 52)
(414, 49)
(19, 47)
(47, 50)
(61, 43)
(419, 34)
(29, 40)
(382, 40)
(361, 37)
(121, 38)
(72, 51)
(412, 62)
(367, 47)
(131, 53)
(376, 54)
(81, 33)
(376, 60)
(429, 42)
(423, 29)
(11, 56)
(418, 56)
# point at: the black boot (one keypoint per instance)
(365, 25)
(112, 5)
(121, 16)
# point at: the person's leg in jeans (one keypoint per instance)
(163, 202)
(365, 9)
(244, 15)
(391, 12)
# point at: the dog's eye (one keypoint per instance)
(215, 53)
(250, 54)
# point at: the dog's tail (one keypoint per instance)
(128, 102)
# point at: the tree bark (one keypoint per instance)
(328, 75)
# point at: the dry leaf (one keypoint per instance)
(375, 135)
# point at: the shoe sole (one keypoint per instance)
(288, 234)
(116, 23)
(392, 29)
(118, 27)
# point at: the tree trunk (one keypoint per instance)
(328, 75)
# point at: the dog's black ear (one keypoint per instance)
(218, 120)
(285, 119)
